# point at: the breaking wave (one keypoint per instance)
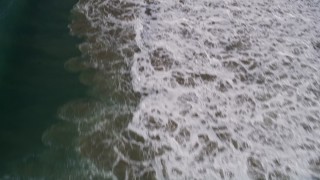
(200, 89)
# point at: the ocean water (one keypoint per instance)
(185, 89)
(34, 44)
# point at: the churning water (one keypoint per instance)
(195, 89)
(202, 89)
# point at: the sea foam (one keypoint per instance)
(228, 89)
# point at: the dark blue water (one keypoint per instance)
(34, 44)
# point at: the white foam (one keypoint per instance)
(231, 88)
(217, 38)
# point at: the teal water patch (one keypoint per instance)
(9, 13)
(34, 44)
(5, 7)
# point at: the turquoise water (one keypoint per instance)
(34, 45)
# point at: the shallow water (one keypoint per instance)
(190, 90)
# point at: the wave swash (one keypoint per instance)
(204, 89)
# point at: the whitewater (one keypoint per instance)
(199, 89)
